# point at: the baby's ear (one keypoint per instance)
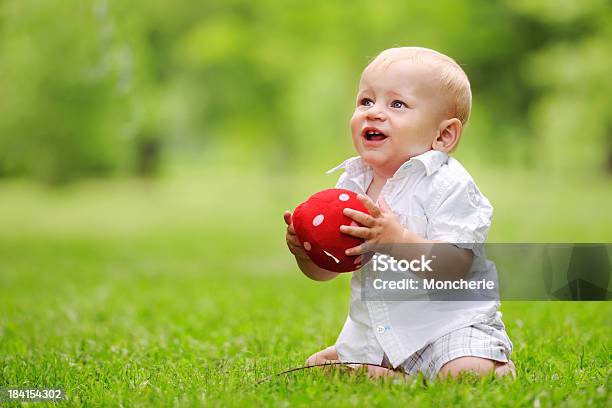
(449, 133)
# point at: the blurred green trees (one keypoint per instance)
(64, 83)
(106, 87)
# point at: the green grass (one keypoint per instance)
(182, 293)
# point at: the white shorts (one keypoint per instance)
(486, 340)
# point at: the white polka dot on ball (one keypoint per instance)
(344, 197)
(307, 246)
(316, 221)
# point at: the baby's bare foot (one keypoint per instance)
(503, 369)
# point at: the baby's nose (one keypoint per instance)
(375, 113)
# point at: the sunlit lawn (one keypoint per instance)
(182, 292)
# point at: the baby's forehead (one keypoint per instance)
(408, 74)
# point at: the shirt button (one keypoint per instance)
(380, 329)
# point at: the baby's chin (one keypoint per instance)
(379, 161)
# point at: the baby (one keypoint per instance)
(411, 108)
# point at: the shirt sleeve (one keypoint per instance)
(461, 216)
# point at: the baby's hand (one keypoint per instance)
(381, 226)
(293, 243)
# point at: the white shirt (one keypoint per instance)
(435, 197)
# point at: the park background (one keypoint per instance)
(149, 148)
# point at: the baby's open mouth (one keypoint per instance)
(373, 134)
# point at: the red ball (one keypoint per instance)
(317, 224)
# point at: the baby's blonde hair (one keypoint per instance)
(453, 80)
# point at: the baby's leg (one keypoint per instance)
(328, 355)
(481, 366)
(482, 348)
(378, 372)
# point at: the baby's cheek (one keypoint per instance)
(355, 124)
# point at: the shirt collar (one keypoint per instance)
(351, 165)
(431, 160)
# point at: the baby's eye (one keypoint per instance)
(398, 104)
(366, 102)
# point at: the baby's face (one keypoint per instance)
(398, 112)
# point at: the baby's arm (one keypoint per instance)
(304, 263)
